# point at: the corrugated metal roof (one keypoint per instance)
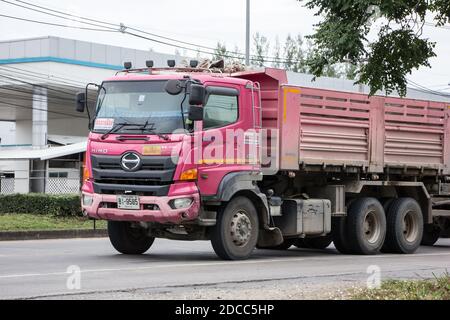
(65, 140)
(43, 154)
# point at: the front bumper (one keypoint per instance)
(101, 209)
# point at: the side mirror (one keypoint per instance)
(173, 87)
(81, 101)
(195, 113)
(197, 95)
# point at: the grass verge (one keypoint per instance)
(30, 222)
(431, 289)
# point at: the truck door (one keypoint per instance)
(228, 133)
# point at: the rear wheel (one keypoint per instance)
(127, 238)
(366, 226)
(404, 226)
(236, 232)
(431, 235)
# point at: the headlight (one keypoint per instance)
(87, 200)
(181, 203)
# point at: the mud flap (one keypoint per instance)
(270, 237)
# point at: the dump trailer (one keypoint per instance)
(247, 160)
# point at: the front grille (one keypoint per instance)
(153, 178)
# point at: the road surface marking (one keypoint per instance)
(207, 264)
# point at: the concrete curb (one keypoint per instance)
(52, 234)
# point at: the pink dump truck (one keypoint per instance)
(246, 160)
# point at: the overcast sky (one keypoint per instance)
(202, 22)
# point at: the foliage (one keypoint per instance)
(435, 289)
(220, 52)
(37, 203)
(28, 222)
(399, 48)
(261, 48)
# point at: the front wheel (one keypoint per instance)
(128, 238)
(236, 231)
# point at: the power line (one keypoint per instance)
(54, 24)
(13, 81)
(13, 105)
(55, 15)
(44, 76)
(65, 13)
(54, 75)
(36, 85)
(123, 29)
(428, 90)
(430, 24)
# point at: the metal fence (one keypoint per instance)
(7, 185)
(62, 185)
(47, 185)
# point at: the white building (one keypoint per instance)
(42, 137)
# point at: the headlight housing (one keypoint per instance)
(87, 200)
(181, 203)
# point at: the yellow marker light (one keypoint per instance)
(189, 175)
(86, 174)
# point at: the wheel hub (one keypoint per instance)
(410, 227)
(240, 228)
(371, 227)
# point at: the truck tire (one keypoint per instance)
(128, 239)
(287, 243)
(386, 203)
(431, 235)
(314, 243)
(236, 231)
(339, 234)
(404, 226)
(366, 226)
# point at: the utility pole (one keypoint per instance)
(247, 35)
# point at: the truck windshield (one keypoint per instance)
(144, 104)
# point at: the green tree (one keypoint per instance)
(239, 57)
(300, 56)
(261, 48)
(398, 48)
(290, 53)
(277, 54)
(220, 52)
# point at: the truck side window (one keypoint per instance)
(220, 111)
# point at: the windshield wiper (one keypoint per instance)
(117, 127)
(144, 127)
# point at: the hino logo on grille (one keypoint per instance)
(130, 161)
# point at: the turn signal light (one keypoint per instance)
(86, 174)
(189, 175)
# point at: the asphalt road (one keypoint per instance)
(191, 270)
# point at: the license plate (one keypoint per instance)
(128, 202)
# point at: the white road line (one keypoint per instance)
(208, 264)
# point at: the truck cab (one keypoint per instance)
(165, 147)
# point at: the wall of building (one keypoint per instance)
(7, 133)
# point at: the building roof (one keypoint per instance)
(65, 140)
(76, 52)
(43, 154)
